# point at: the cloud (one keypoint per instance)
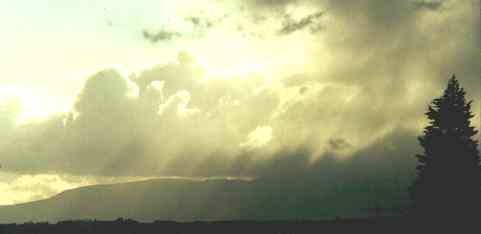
(428, 4)
(258, 137)
(161, 35)
(339, 144)
(9, 109)
(187, 27)
(105, 89)
(17, 189)
(26, 188)
(202, 22)
(371, 72)
(310, 21)
(184, 74)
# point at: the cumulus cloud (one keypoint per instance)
(183, 74)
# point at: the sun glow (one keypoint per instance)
(241, 69)
(30, 104)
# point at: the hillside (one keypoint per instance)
(190, 200)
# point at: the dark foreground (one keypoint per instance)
(121, 226)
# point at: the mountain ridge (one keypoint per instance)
(205, 200)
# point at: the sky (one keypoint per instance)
(111, 91)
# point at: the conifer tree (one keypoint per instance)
(448, 173)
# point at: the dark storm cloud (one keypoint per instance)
(310, 21)
(161, 35)
(387, 45)
(377, 176)
(398, 57)
(373, 181)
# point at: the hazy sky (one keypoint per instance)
(131, 89)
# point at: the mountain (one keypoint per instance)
(191, 200)
(175, 199)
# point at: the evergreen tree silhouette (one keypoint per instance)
(448, 173)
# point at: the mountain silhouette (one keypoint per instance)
(193, 200)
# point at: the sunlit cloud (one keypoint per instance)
(258, 137)
(33, 104)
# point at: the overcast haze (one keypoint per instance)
(102, 91)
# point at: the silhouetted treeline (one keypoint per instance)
(121, 226)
